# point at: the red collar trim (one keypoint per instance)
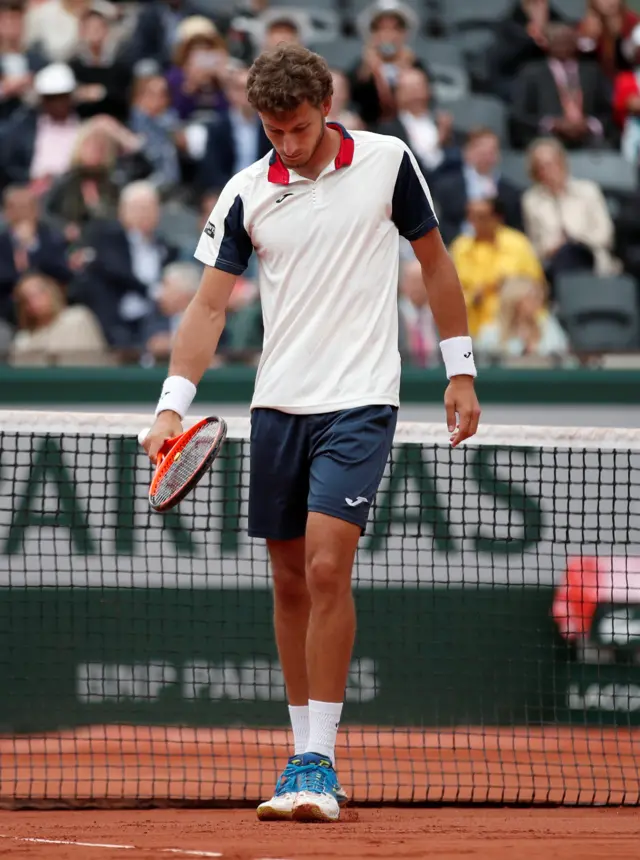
(279, 174)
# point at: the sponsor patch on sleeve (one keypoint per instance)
(210, 229)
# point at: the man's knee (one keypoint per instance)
(327, 578)
(288, 571)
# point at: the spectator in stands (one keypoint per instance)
(477, 176)
(521, 38)
(418, 335)
(180, 282)
(385, 27)
(49, 332)
(524, 326)
(562, 95)
(87, 191)
(281, 25)
(428, 134)
(604, 30)
(54, 26)
(27, 243)
(626, 100)
(153, 119)
(566, 219)
(197, 74)
(17, 65)
(122, 281)
(341, 103)
(484, 260)
(103, 80)
(234, 140)
(38, 142)
(156, 30)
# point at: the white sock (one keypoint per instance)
(299, 715)
(324, 720)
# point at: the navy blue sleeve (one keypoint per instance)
(225, 243)
(411, 208)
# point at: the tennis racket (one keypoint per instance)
(183, 461)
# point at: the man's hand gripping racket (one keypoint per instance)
(181, 457)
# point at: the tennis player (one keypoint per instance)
(323, 212)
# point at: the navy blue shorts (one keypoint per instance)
(331, 463)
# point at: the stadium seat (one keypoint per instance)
(600, 314)
(179, 224)
(514, 168)
(610, 170)
(479, 110)
(445, 63)
(342, 53)
(572, 10)
(476, 46)
(461, 14)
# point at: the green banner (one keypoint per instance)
(436, 658)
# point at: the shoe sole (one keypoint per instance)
(267, 813)
(311, 814)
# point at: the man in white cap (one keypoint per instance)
(385, 27)
(40, 141)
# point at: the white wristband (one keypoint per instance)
(457, 354)
(177, 395)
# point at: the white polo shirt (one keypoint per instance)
(328, 269)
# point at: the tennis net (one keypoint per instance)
(498, 649)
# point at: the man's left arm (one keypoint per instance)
(450, 314)
(414, 216)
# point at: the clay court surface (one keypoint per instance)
(552, 834)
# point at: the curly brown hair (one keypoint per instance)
(282, 79)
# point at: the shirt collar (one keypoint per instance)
(279, 174)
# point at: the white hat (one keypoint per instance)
(386, 7)
(298, 19)
(55, 80)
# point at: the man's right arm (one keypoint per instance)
(194, 346)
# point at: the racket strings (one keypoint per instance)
(186, 462)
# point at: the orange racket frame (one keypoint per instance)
(171, 451)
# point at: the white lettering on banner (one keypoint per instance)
(251, 680)
(604, 697)
(619, 626)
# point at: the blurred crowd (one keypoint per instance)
(120, 122)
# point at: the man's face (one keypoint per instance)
(57, 107)
(483, 219)
(388, 35)
(412, 91)
(483, 153)
(154, 97)
(11, 24)
(562, 42)
(281, 32)
(296, 136)
(94, 30)
(141, 213)
(20, 205)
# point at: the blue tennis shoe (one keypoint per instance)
(307, 790)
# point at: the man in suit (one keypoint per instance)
(562, 95)
(476, 177)
(520, 39)
(234, 141)
(37, 143)
(27, 244)
(427, 134)
(127, 260)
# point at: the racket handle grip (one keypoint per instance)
(142, 435)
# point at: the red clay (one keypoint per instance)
(445, 834)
